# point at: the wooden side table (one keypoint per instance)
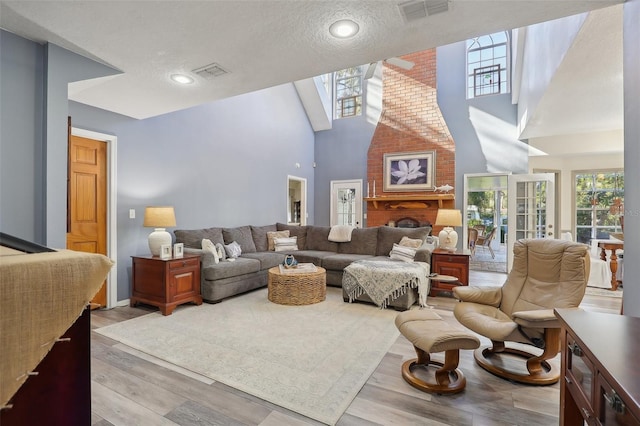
(445, 262)
(166, 283)
(613, 263)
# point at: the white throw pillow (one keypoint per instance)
(406, 254)
(207, 245)
(411, 242)
(272, 235)
(286, 244)
(222, 254)
(233, 250)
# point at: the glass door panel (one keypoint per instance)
(346, 203)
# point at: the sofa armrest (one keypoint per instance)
(423, 255)
(206, 257)
(491, 296)
(541, 318)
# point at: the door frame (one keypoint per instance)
(112, 230)
(303, 198)
(357, 183)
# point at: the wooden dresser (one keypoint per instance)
(600, 383)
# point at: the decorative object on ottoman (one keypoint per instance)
(429, 333)
(290, 261)
(448, 236)
(293, 287)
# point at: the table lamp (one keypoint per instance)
(448, 236)
(159, 218)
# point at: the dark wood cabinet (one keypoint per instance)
(445, 262)
(166, 283)
(600, 382)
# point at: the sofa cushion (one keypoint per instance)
(233, 250)
(259, 234)
(192, 238)
(363, 241)
(226, 269)
(387, 236)
(295, 231)
(338, 262)
(268, 259)
(318, 239)
(271, 238)
(312, 256)
(241, 235)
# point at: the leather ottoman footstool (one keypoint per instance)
(429, 333)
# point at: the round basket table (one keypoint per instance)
(297, 288)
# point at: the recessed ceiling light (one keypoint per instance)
(182, 79)
(344, 28)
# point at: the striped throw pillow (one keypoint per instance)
(406, 254)
(286, 244)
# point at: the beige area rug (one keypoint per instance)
(596, 291)
(309, 359)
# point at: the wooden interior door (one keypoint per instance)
(87, 201)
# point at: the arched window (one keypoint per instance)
(488, 65)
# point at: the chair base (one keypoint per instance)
(540, 372)
(449, 379)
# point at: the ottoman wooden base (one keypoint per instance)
(429, 333)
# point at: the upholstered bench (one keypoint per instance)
(429, 333)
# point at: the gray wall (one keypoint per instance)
(21, 137)
(220, 164)
(341, 154)
(484, 129)
(631, 35)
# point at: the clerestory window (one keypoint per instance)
(348, 92)
(488, 65)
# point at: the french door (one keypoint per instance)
(531, 209)
(346, 202)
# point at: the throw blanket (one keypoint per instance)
(340, 233)
(384, 281)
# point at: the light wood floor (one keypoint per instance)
(129, 388)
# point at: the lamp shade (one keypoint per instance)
(449, 217)
(448, 236)
(159, 218)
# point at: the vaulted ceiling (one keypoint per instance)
(266, 43)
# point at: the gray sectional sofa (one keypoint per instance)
(249, 271)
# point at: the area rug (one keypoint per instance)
(310, 359)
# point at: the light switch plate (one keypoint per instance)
(132, 213)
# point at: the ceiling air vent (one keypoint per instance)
(209, 72)
(414, 10)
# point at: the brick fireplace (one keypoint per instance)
(411, 121)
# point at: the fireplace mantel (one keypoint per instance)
(405, 202)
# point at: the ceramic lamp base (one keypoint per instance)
(448, 239)
(157, 239)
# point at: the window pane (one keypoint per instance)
(583, 218)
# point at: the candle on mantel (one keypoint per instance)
(374, 189)
(368, 193)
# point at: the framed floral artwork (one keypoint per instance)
(409, 171)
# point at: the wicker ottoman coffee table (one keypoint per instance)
(297, 288)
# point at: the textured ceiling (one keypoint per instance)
(261, 43)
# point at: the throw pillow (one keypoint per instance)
(208, 246)
(411, 242)
(272, 235)
(222, 254)
(406, 254)
(286, 244)
(233, 250)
